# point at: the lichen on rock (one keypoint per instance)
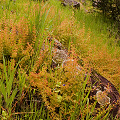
(59, 56)
(102, 98)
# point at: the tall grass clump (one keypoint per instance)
(24, 35)
(21, 35)
(17, 101)
(30, 88)
(8, 89)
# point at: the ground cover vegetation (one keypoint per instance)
(29, 87)
(110, 9)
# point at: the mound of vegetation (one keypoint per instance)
(46, 55)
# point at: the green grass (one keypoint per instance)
(8, 90)
(29, 87)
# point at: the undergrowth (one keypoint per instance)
(29, 87)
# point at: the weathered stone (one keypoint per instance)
(103, 89)
(73, 3)
(59, 56)
(102, 85)
(59, 53)
(102, 98)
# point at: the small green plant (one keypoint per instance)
(7, 89)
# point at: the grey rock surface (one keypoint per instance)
(73, 3)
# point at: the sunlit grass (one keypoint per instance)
(25, 26)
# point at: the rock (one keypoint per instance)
(57, 44)
(59, 53)
(102, 98)
(83, 1)
(103, 84)
(109, 94)
(73, 3)
(59, 56)
(103, 89)
(96, 3)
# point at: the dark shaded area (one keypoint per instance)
(110, 9)
(31, 100)
(103, 84)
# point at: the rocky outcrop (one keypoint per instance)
(103, 89)
(105, 92)
(73, 3)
